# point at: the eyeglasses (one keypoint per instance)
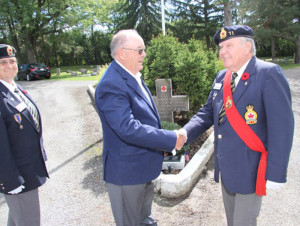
(140, 51)
(4, 63)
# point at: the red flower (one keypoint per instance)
(245, 76)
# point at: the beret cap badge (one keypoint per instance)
(9, 51)
(223, 33)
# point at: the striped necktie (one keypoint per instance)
(232, 85)
(30, 107)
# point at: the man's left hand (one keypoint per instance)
(180, 140)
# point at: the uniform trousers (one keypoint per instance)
(24, 209)
(241, 209)
(131, 204)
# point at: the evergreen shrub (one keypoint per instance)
(191, 67)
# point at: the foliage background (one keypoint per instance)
(191, 67)
(65, 33)
(78, 33)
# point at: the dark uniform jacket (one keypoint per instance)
(266, 89)
(22, 154)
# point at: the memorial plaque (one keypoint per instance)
(165, 103)
(173, 163)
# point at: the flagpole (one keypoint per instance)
(163, 17)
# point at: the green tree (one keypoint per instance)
(196, 19)
(28, 24)
(142, 15)
(276, 19)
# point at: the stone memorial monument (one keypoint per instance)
(166, 103)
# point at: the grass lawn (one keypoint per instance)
(66, 76)
(285, 63)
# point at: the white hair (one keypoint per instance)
(253, 48)
(120, 38)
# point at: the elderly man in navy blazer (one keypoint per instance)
(22, 154)
(251, 110)
(133, 141)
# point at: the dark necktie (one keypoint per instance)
(232, 85)
(31, 108)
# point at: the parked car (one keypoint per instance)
(33, 71)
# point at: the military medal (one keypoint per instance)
(250, 115)
(18, 119)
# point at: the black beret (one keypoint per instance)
(7, 51)
(234, 31)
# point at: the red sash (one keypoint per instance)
(246, 134)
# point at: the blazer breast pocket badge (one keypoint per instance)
(250, 115)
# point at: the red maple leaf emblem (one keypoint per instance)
(250, 115)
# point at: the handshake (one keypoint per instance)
(181, 138)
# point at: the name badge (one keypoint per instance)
(21, 107)
(218, 86)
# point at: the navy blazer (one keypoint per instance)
(133, 141)
(267, 90)
(22, 154)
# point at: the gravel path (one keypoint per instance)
(76, 195)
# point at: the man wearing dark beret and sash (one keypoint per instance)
(22, 154)
(250, 108)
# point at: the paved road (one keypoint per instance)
(76, 195)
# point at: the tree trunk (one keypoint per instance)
(30, 54)
(54, 49)
(273, 49)
(227, 14)
(207, 42)
(297, 50)
(30, 50)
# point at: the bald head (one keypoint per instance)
(121, 38)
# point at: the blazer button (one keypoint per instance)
(219, 136)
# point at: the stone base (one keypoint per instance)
(173, 162)
(175, 186)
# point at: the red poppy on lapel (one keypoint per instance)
(23, 91)
(245, 76)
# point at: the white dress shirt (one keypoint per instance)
(139, 81)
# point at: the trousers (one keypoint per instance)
(131, 204)
(241, 209)
(24, 209)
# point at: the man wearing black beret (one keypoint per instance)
(250, 108)
(22, 154)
